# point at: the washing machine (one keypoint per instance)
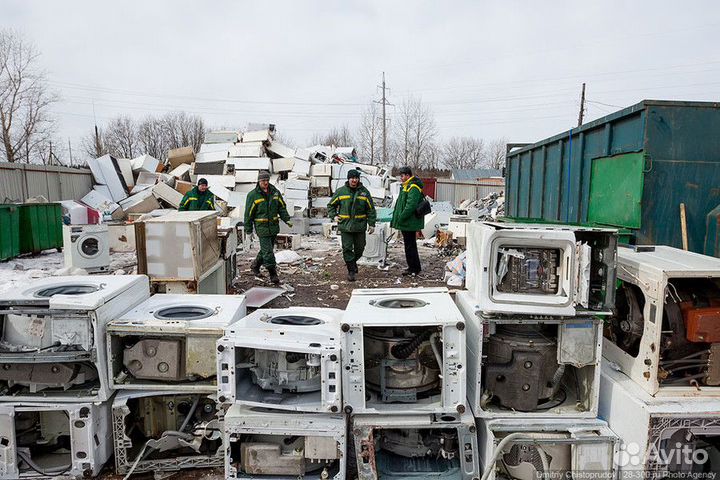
(376, 245)
(426, 445)
(285, 359)
(166, 342)
(54, 440)
(87, 247)
(403, 352)
(164, 431)
(52, 335)
(274, 445)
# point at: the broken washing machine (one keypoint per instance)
(166, 431)
(87, 247)
(416, 446)
(285, 359)
(403, 351)
(280, 446)
(665, 334)
(531, 367)
(555, 270)
(54, 440)
(166, 342)
(53, 336)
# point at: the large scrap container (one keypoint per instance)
(40, 227)
(631, 169)
(9, 231)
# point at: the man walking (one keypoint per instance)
(404, 218)
(199, 198)
(353, 209)
(263, 209)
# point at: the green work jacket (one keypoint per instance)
(403, 217)
(196, 200)
(263, 211)
(355, 208)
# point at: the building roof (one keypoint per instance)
(474, 173)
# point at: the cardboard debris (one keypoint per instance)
(180, 156)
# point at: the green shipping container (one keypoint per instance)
(9, 232)
(631, 169)
(40, 227)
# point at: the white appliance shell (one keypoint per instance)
(376, 245)
(197, 335)
(651, 271)
(87, 247)
(240, 420)
(364, 310)
(479, 327)
(90, 438)
(107, 298)
(256, 331)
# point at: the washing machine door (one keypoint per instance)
(90, 246)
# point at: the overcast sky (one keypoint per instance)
(488, 69)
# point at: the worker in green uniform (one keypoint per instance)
(199, 198)
(353, 209)
(404, 219)
(264, 208)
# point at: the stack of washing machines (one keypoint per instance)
(534, 307)
(161, 361)
(279, 378)
(55, 399)
(660, 384)
(403, 378)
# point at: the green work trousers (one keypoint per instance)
(353, 245)
(266, 255)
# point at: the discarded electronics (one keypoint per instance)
(288, 242)
(54, 440)
(266, 444)
(416, 446)
(403, 352)
(166, 432)
(458, 226)
(662, 437)
(163, 343)
(87, 247)
(376, 245)
(524, 367)
(53, 336)
(541, 269)
(286, 359)
(666, 331)
(524, 449)
(188, 264)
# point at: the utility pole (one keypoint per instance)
(582, 106)
(384, 103)
(70, 150)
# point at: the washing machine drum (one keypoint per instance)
(89, 246)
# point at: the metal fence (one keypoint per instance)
(18, 182)
(447, 190)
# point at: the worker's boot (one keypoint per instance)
(255, 267)
(273, 275)
(351, 271)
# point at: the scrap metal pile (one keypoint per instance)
(505, 379)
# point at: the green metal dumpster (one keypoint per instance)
(9, 232)
(631, 169)
(40, 227)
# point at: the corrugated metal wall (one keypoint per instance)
(447, 190)
(18, 182)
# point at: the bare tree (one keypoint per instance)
(25, 100)
(496, 153)
(464, 152)
(337, 136)
(370, 135)
(414, 135)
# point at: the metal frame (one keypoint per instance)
(364, 427)
(241, 420)
(90, 438)
(439, 311)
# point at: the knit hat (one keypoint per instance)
(264, 175)
(353, 174)
(202, 181)
(405, 171)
